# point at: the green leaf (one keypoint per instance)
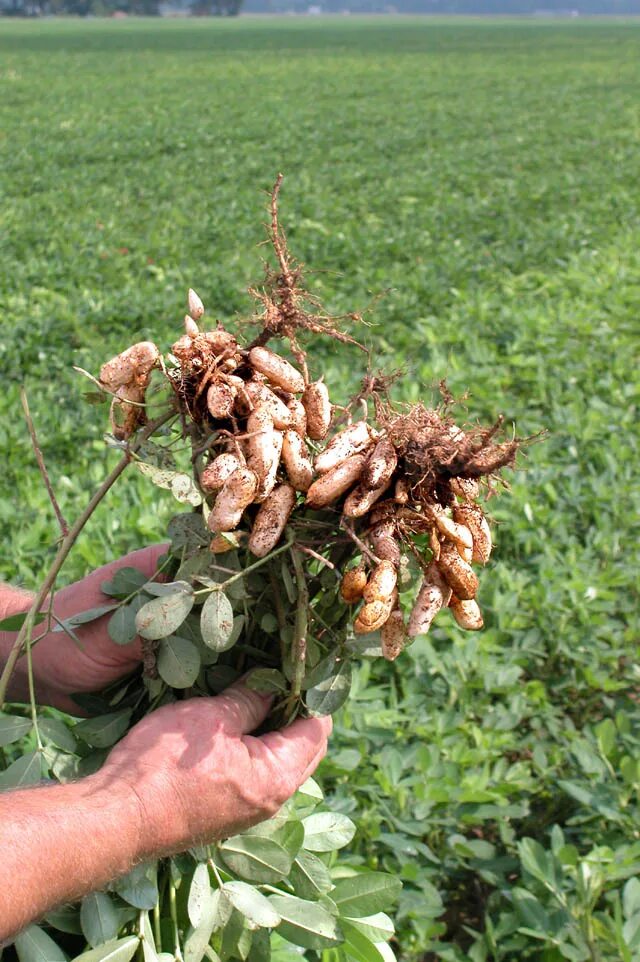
(366, 894)
(327, 831)
(216, 622)
(537, 861)
(358, 946)
(26, 770)
(118, 950)
(199, 894)
(178, 662)
(56, 732)
(12, 728)
(139, 887)
(531, 912)
(329, 695)
(309, 876)
(306, 923)
(251, 903)
(260, 946)
(15, 622)
(65, 919)
(84, 617)
(199, 936)
(34, 945)
(122, 623)
(125, 582)
(98, 918)
(268, 681)
(188, 531)
(631, 898)
(256, 859)
(162, 616)
(104, 730)
(378, 927)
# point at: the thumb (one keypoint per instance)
(241, 710)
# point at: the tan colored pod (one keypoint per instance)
(196, 307)
(229, 541)
(238, 492)
(458, 574)
(381, 583)
(350, 441)
(262, 396)
(218, 471)
(467, 488)
(220, 399)
(191, 329)
(352, 585)
(372, 616)
(277, 369)
(260, 433)
(298, 416)
(381, 465)
(318, 410)
(452, 531)
(133, 364)
(267, 483)
(221, 342)
(467, 613)
(384, 542)
(360, 500)
(328, 488)
(393, 635)
(271, 520)
(473, 517)
(428, 603)
(465, 553)
(401, 491)
(296, 461)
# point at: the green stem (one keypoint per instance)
(32, 695)
(177, 952)
(299, 644)
(26, 632)
(245, 571)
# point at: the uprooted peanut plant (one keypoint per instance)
(315, 531)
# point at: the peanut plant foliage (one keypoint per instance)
(483, 175)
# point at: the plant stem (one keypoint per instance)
(32, 695)
(64, 527)
(67, 543)
(245, 571)
(174, 918)
(299, 644)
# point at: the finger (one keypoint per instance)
(241, 710)
(294, 752)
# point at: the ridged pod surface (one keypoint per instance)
(372, 616)
(466, 613)
(350, 441)
(352, 585)
(217, 471)
(317, 406)
(330, 486)
(380, 466)
(473, 517)
(277, 369)
(381, 583)
(237, 494)
(296, 461)
(458, 574)
(271, 520)
(393, 635)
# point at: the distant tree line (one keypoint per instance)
(110, 8)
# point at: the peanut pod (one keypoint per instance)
(196, 307)
(393, 635)
(372, 616)
(260, 433)
(220, 399)
(458, 574)
(381, 583)
(360, 500)
(458, 533)
(350, 441)
(473, 517)
(434, 594)
(267, 483)
(238, 492)
(277, 369)
(298, 416)
(318, 410)
(220, 342)
(262, 396)
(467, 488)
(467, 613)
(384, 543)
(133, 364)
(296, 461)
(230, 541)
(380, 466)
(331, 486)
(191, 329)
(352, 585)
(218, 471)
(271, 520)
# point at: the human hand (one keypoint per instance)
(60, 666)
(199, 775)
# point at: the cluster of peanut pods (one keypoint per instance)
(266, 420)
